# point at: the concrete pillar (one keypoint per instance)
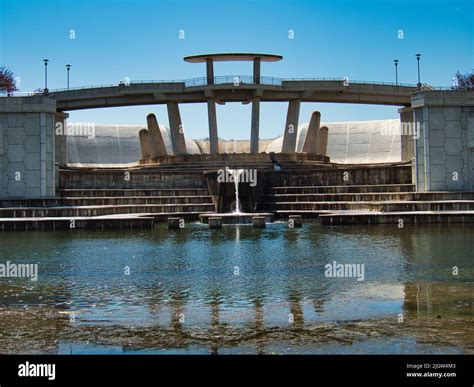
(256, 70)
(176, 129)
(213, 137)
(407, 134)
(144, 143)
(323, 141)
(175, 223)
(215, 222)
(291, 127)
(210, 71)
(157, 145)
(255, 126)
(295, 221)
(312, 135)
(258, 221)
(60, 138)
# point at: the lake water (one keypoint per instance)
(240, 290)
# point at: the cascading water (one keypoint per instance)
(235, 173)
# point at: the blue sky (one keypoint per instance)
(141, 40)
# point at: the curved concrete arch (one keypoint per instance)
(274, 90)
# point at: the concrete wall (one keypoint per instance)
(356, 142)
(349, 142)
(114, 145)
(445, 149)
(27, 151)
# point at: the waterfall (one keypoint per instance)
(235, 173)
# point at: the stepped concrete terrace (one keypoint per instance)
(373, 194)
(140, 196)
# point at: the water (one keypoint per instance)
(235, 173)
(240, 290)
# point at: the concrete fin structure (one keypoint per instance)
(157, 145)
(176, 129)
(291, 127)
(144, 143)
(323, 140)
(311, 142)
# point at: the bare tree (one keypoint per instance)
(464, 81)
(7, 81)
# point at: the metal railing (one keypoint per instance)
(236, 80)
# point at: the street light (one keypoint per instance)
(68, 67)
(418, 56)
(45, 75)
(396, 71)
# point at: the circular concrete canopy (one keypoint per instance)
(232, 56)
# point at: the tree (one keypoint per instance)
(7, 81)
(463, 81)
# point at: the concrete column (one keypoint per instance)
(256, 70)
(323, 140)
(43, 158)
(144, 143)
(312, 135)
(60, 138)
(291, 127)
(157, 145)
(176, 129)
(175, 223)
(215, 222)
(255, 126)
(295, 221)
(258, 221)
(407, 133)
(210, 71)
(213, 137)
(427, 148)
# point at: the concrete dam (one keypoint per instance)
(350, 142)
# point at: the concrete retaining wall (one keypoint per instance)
(445, 149)
(27, 151)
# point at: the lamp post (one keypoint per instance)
(45, 76)
(396, 71)
(68, 67)
(418, 56)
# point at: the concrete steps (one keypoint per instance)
(132, 192)
(75, 223)
(104, 208)
(382, 206)
(79, 211)
(368, 197)
(369, 204)
(340, 189)
(418, 217)
(107, 201)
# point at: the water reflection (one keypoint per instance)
(183, 290)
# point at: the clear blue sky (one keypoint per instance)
(140, 40)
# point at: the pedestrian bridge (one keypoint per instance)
(233, 88)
